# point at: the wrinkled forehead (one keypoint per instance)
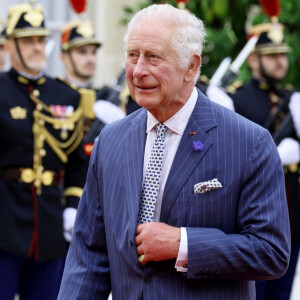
(149, 31)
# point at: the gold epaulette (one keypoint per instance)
(87, 98)
(231, 89)
(204, 79)
(288, 87)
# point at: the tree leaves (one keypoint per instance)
(225, 21)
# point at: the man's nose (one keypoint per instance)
(140, 68)
(38, 45)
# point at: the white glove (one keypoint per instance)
(289, 151)
(217, 95)
(294, 107)
(108, 112)
(69, 216)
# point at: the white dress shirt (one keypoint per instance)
(175, 129)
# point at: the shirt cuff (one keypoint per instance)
(182, 258)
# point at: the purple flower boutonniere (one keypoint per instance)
(198, 146)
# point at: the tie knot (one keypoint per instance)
(160, 130)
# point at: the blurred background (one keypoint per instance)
(226, 22)
(106, 16)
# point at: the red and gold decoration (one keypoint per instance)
(182, 3)
(271, 35)
(271, 8)
(79, 6)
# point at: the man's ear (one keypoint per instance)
(253, 61)
(193, 68)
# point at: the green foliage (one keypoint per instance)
(225, 22)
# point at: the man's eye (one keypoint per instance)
(151, 56)
(131, 54)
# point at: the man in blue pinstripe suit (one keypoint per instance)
(220, 220)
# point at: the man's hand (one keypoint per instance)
(157, 241)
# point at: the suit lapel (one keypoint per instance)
(186, 159)
(133, 166)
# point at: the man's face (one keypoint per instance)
(154, 77)
(273, 66)
(32, 50)
(84, 58)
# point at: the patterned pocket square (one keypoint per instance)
(207, 186)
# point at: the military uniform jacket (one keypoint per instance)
(255, 101)
(92, 125)
(31, 223)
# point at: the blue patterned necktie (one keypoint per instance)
(152, 177)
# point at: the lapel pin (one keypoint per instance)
(198, 146)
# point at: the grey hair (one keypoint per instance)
(189, 32)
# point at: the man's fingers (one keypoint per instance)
(139, 250)
(138, 240)
(139, 229)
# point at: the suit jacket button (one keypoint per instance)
(147, 278)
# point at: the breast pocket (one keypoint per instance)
(211, 209)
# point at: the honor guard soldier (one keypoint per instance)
(79, 50)
(42, 163)
(265, 101)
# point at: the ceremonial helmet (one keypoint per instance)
(78, 33)
(26, 20)
(270, 38)
(270, 35)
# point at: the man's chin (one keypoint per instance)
(147, 102)
(36, 67)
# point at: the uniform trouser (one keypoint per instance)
(279, 289)
(29, 279)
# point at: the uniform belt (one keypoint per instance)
(28, 175)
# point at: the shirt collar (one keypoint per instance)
(177, 122)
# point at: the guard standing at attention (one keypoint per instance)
(42, 164)
(79, 56)
(269, 103)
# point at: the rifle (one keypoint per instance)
(220, 72)
(286, 126)
(284, 130)
(233, 71)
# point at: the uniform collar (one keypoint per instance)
(263, 85)
(79, 84)
(27, 79)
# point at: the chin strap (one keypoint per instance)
(20, 55)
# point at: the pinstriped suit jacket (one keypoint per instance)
(237, 234)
